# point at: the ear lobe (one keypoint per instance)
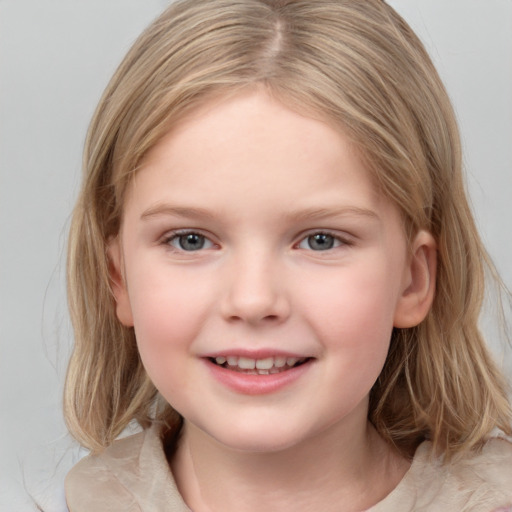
(419, 286)
(118, 283)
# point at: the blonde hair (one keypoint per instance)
(358, 65)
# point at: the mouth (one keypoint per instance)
(265, 366)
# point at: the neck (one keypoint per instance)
(329, 473)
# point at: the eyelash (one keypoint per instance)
(179, 234)
(337, 240)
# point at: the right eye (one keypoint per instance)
(189, 241)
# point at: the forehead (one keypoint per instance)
(251, 146)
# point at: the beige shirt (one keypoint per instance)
(133, 476)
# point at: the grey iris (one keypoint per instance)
(321, 242)
(191, 242)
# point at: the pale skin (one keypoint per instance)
(253, 231)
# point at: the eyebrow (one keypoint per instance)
(198, 213)
(322, 213)
(177, 211)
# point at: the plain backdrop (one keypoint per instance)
(56, 57)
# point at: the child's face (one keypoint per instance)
(253, 233)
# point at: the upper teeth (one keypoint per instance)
(246, 363)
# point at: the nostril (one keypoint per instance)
(253, 304)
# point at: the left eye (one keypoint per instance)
(189, 242)
(320, 242)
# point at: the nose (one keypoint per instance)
(254, 291)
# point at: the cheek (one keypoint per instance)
(168, 312)
(354, 323)
(353, 311)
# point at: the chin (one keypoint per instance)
(258, 441)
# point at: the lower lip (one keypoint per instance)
(257, 384)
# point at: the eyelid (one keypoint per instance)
(343, 239)
(176, 233)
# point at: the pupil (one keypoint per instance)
(191, 242)
(321, 242)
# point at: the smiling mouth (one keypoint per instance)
(266, 366)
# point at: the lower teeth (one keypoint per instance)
(272, 371)
(255, 371)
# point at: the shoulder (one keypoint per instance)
(490, 468)
(131, 475)
(480, 481)
(95, 479)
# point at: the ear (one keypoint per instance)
(419, 282)
(118, 282)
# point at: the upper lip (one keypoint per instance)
(255, 354)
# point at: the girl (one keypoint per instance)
(273, 270)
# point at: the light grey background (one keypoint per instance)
(56, 56)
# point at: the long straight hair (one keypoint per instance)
(357, 65)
